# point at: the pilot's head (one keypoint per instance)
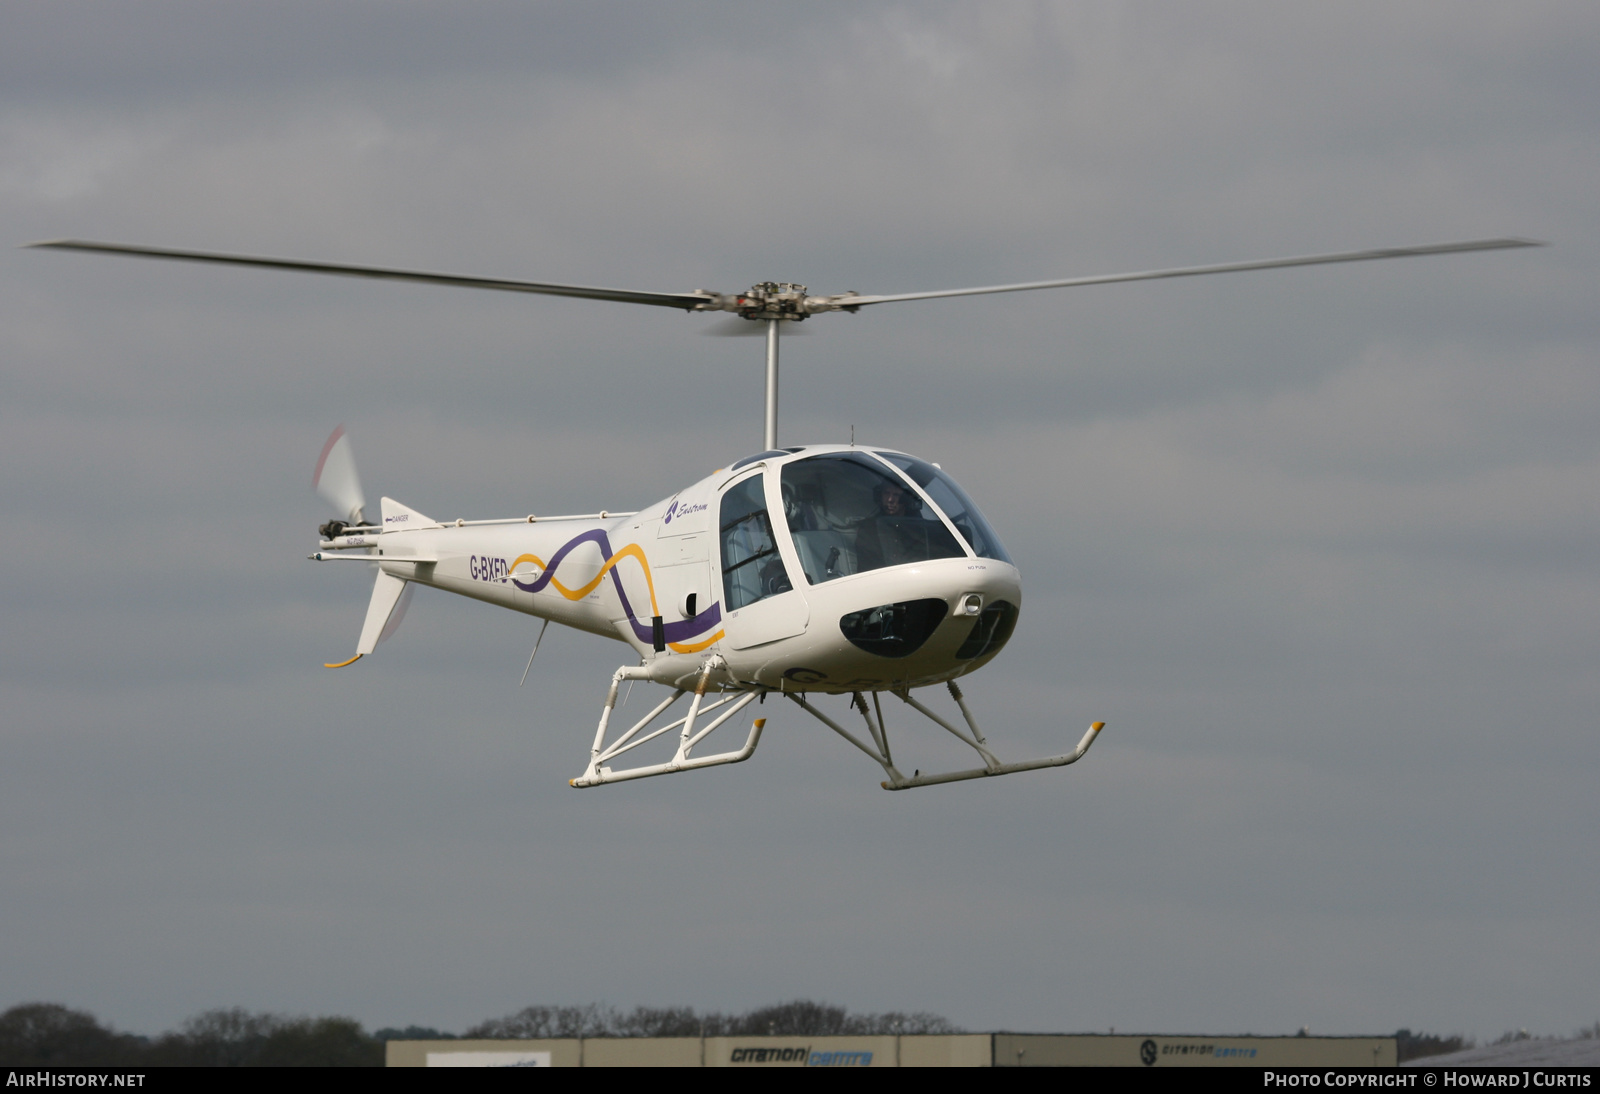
(894, 500)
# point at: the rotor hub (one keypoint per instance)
(774, 300)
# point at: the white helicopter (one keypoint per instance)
(798, 571)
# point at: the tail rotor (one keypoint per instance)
(337, 481)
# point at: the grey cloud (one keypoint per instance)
(1315, 544)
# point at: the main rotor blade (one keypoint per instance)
(851, 302)
(687, 301)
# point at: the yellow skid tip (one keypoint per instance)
(760, 723)
(572, 783)
(342, 664)
(885, 785)
(1098, 726)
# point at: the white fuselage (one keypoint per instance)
(807, 600)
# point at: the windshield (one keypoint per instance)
(848, 513)
(955, 503)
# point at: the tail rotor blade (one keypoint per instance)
(336, 479)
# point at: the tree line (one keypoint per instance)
(1414, 1046)
(53, 1035)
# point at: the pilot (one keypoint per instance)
(895, 533)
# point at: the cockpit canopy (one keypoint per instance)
(850, 512)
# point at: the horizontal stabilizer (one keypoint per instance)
(329, 556)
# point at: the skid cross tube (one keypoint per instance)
(598, 772)
(976, 742)
(883, 760)
(879, 731)
(879, 749)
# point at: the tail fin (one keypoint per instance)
(390, 598)
(403, 518)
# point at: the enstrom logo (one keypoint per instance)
(677, 510)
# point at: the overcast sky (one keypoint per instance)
(1318, 545)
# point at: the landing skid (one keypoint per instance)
(600, 772)
(879, 748)
(693, 728)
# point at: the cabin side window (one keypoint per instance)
(752, 569)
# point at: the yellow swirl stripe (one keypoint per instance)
(695, 647)
(535, 559)
(632, 549)
(635, 551)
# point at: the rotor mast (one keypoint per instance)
(770, 440)
(774, 303)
